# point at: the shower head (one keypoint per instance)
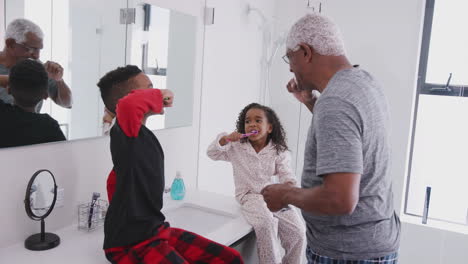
(249, 9)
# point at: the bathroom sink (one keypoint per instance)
(197, 219)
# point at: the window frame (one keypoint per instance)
(425, 89)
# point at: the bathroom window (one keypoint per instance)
(439, 145)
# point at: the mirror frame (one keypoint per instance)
(193, 9)
(27, 201)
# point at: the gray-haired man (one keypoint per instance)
(346, 196)
(23, 40)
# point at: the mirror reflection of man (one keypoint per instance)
(24, 40)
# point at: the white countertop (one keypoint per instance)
(83, 247)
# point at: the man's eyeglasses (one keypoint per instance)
(29, 49)
(286, 56)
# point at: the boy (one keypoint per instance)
(135, 230)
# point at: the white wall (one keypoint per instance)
(82, 166)
(231, 80)
(384, 38)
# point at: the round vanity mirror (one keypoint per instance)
(39, 202)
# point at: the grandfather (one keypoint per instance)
(346, 196)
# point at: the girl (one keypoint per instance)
(254, 160)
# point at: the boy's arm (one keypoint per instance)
(60, 93)
(111, 181)
(131, 109)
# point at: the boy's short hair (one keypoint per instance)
(28, 82)
(115, 85)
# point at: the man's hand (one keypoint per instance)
(54, 70)
(304, 96)
(274, 196)
(64, 94)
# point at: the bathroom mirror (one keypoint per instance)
(91, 37)
(163, 45)
(39, 202)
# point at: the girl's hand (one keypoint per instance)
(234, 136)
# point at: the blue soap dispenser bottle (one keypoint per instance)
(178, 187)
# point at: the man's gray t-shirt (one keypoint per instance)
(7, 98)
(349, 133)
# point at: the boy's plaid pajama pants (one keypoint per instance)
(174, 246)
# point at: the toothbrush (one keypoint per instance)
(254, 132)
(315, 94)
(96, 195)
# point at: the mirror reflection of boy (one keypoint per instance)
(135, 230)
(21, 125)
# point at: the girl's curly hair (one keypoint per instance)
(277, 135)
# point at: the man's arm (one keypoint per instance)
(61, 94)
(339, 162)
(338, 195)
(63, 97)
